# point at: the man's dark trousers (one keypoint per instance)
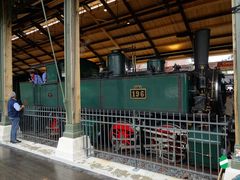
(15, 126)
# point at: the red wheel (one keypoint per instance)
(53, 128)
(121, 135)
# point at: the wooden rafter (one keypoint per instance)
(123, 18)
(46, 34)
(141, 27)
(115, 25)
(175, 53)
(102, 29)
(87, 45)
(30, 55)
(185, 20)
(109, 10)
(32, 43)
(19, 66)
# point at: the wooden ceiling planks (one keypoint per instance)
(163, 24)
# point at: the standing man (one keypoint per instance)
(13, 113)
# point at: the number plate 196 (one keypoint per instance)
(138, 93)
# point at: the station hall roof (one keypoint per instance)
(140, 28)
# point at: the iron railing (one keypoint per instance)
(42, 124)
(184, 146)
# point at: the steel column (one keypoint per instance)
(72, 68)
(5, 57)
(236, 67)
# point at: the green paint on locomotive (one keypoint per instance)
(163, 93)
(91, 93)
(52, 73)
(160, 92)
(27, 93)
(205, 147)
(41, 95)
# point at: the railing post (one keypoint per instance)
(135, 140)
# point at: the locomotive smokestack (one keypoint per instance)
(201, 48)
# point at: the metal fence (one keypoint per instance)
(185, 146)
(42, 124)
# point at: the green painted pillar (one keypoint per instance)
(72, 68)
(5, 58)
(236, 55)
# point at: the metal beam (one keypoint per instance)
(53, 11)
(127, 17)
(29, 41)
(60, 18)
(176, 11)
(185, 20)
(180, 52)
(42, 56)
(144, 40)
(46, 34)
(141, 27)
(27, 47)
(109, 10)
(148, 11)
(169, 36)
(82, 41)
(19, 67)
(25, 51)
(212, 16)
(25, 21)
(93, 51)
(22, 61)
(102, 29)
(146, 20)
(59, 37)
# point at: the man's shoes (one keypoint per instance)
(14, 142)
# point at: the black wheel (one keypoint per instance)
(168, 142)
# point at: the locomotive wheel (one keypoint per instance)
(174, 148)
(122, 136)
(168, 142)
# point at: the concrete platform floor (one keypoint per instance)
(19, 165)
(91, 164)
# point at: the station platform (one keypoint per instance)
(28, 160)
(19, 165)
